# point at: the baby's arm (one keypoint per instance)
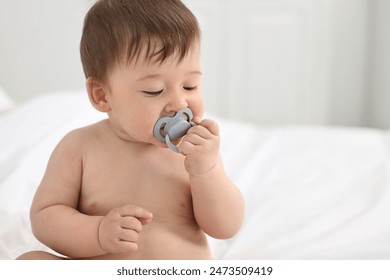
(54, 217)
(218, 203)
(56, 221)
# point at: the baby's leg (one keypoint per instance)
(39, 255)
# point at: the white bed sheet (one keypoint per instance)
(310, 192)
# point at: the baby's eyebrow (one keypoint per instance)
(153, 76)
(195, 72)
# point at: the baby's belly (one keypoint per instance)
(163, 239)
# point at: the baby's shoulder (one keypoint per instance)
(75, 145)
(82, 137)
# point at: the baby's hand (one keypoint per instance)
(120, 228)
(201, 147)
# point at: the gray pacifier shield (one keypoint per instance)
(168, 129)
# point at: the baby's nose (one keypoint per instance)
(175, 104)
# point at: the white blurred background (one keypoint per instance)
(273, 62)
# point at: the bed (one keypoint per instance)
(311, 192)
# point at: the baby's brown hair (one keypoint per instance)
(117, 30)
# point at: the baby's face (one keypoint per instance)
(142, 92)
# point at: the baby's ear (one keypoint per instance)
(97, 94)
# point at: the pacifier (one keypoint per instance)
(168, 129)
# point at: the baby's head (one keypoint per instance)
(119, 31)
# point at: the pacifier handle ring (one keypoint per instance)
(171, 145)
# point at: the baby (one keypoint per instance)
(112, 190)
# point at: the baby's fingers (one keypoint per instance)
(127, 246)
(131, 223)
(128, 235)
(200, 131)
(143, 215)
(212, 126)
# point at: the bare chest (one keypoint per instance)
(114, 178)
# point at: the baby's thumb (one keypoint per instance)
(146, 219)
(143, 215)
(196, 120)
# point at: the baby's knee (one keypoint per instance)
(38, 255)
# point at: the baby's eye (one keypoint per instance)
(153, 93)
(190, 88)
